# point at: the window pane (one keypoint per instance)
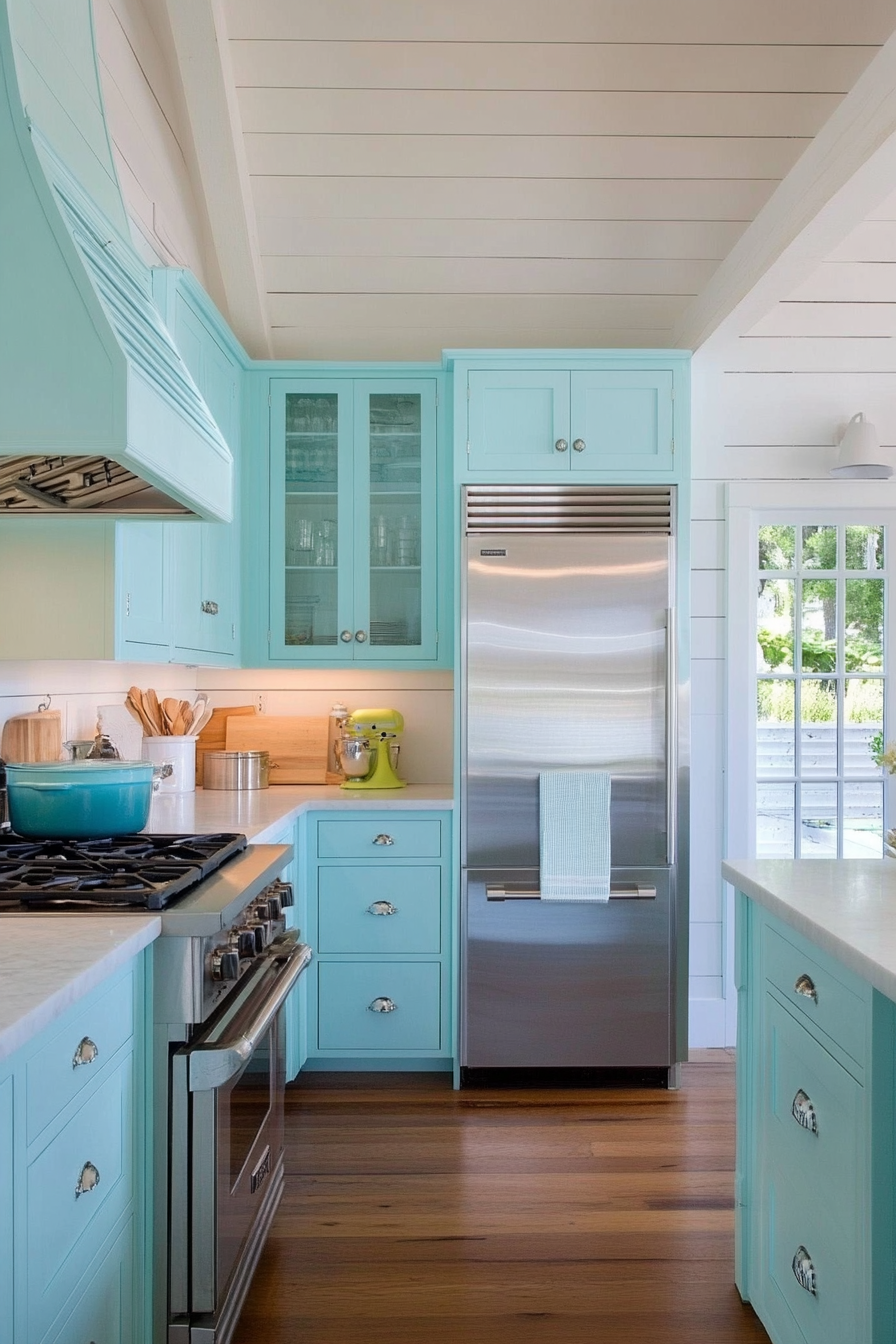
(863, 728)
(777, 547)
(864, 548)
(864, 625)
(774, 622)
(819, 624)
(818, 728)
(819, 548)
(774, 729)
(774, 821)
(863, 824)
(818, 822)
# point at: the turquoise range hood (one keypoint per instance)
(98, 413)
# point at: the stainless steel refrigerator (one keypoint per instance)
(569, 634)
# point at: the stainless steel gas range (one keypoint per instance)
(223, 969)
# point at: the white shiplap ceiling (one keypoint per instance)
(527, 174)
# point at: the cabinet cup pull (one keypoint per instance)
(361, 636)
(806, 986)
(209, 608)
(382, 908)
(579, 445)
(561, 445)
(383, 840)
(804, 1270)
(86, 1052)
(87, 1181)
(803, 1112)
(382, 1006)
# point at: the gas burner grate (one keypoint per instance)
(132, 871)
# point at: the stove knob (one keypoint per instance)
(246, 943)
(262, 935)
(226, 964)
(274, 907)
(284, 891)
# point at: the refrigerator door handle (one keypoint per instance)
(507, 891)
(671, 736)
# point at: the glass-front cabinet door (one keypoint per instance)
(353, 520)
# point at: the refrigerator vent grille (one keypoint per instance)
(561, 508)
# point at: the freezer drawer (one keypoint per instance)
(567, 985)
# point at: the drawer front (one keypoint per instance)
(397, 838)
(381, 910)
(821, 1152)
(830, 1005)
(104, 1311)
(838, 1310)
(346, 991)
(64, 1229)
(77, 1054)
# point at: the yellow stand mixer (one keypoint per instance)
(365, 754)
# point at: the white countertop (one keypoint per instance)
(260, 813)
(846, 906)
(41, 976)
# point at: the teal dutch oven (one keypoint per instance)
(77, 800)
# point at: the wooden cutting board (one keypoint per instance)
(214, 735)
(32, 737)
(297, 746)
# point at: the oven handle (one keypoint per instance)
(214, 1063)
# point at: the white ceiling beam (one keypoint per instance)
(844, 174)
(203, 56)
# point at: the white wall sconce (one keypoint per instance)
(861, 455)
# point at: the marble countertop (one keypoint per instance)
(846, 906)
(260, 813)
(44, 970)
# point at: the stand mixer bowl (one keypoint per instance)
(355, 757)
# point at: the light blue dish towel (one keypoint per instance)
(574, 821)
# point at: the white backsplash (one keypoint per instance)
(77, 688)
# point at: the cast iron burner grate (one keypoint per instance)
(130, 871)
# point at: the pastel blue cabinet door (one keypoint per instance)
(6, 1209)
(143, 597)
(105, 1312)
(312, 520)
(516, 419)
(351, 992)
(387, 911)
(624, 419)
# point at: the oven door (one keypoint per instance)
(227, 1092)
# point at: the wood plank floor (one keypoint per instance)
(418, 1215)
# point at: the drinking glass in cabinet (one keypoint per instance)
(325, 544)
(407, 542)
(300, 542)
(379, 540)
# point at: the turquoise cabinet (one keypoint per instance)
(379, 917)
(354, 523)
(815, 1140)
(73, 1173)
(144, 591)
(555, 414)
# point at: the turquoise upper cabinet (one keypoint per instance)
(353, 520)
(144, 596)
(204, 558)
(551, 413)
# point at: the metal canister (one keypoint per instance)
(236, 770)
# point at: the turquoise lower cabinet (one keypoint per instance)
(815, 1142)
(73, 1173)
(615, 414)
(379, 917)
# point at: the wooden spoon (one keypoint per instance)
(134, 703)
(154, 711)
(171, 713)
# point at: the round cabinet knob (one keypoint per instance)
(86, 1053)
(561, 445)
(226, 964)
(804, 1270)
(346, 636)
(87, 1181)
(361, 636)
(382, 1006)
(578, 445)
(382, 908)
(805, 985)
